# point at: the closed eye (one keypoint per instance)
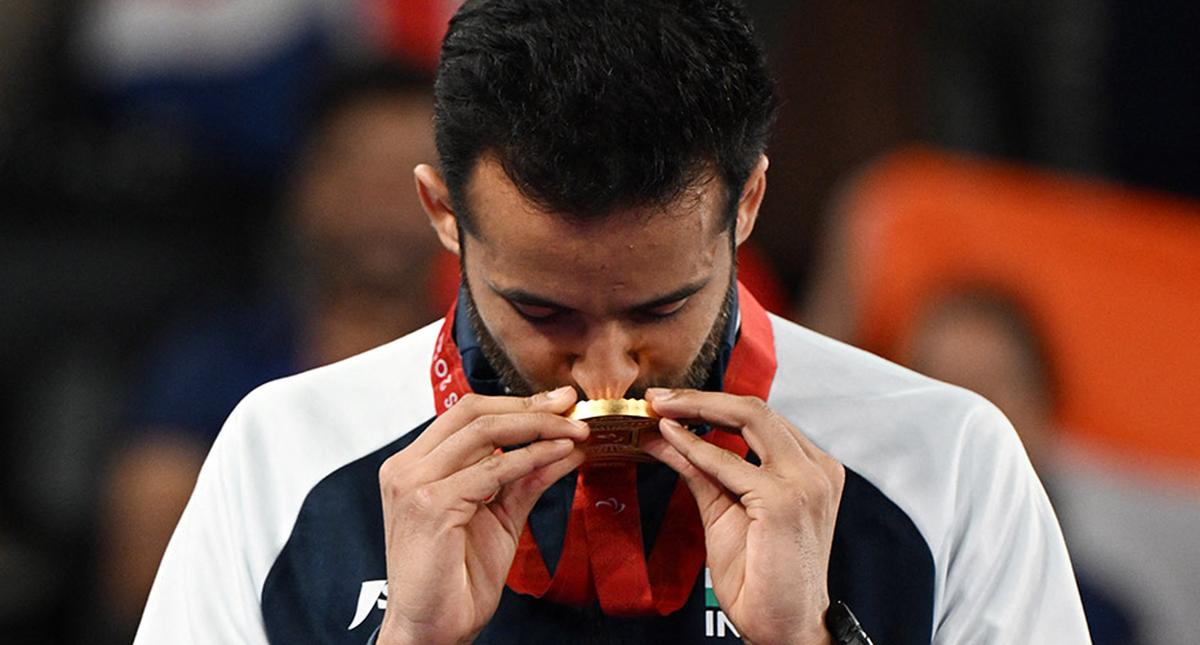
(663, 311)
(535, 313)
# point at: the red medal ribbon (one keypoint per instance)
(602, 555)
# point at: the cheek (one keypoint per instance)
(671, 348)
(532, 352)
(694, 334)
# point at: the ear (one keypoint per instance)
(751, 200)
(435, 199)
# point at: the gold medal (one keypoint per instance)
(617, 429)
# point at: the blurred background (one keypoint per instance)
(197, 197)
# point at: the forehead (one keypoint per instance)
(632, 251)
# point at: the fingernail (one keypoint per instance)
(672, 425)
(559, 394)
(563, 443)
(579, 424)
(659, 393)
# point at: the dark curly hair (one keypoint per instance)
(591, 106)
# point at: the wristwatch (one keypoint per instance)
(844, 627)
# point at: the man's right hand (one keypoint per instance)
(454, 508)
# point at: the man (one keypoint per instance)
(356, 276)
(599, 164)
(985, 338)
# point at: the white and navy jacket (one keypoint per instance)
(944, 534)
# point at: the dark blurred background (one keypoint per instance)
(154, 155)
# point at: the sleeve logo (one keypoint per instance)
(372, 595)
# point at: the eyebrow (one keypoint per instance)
(524, 297)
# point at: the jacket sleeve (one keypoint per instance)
(205, 591)
(1009, 578)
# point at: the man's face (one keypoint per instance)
(966, 343)
(358, 219)
(612, 306)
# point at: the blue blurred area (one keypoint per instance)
(247, 118)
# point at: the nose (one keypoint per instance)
(608, 363)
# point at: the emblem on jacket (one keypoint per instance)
(716, 623)
(372, 594)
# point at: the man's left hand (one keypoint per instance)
(768, 529)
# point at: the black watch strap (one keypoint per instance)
(844, 627)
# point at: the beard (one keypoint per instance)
(695, 376)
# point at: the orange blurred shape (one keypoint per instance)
(757, 274)
(1111, 275)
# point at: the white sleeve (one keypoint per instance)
(1009, 578)
(205, 590)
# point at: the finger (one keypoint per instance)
(473, 406)
(489, 475)
(516, 500)
(711, 498)
(730, 470)
(483, 435)
(766, 433)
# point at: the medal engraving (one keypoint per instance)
(617, 428)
